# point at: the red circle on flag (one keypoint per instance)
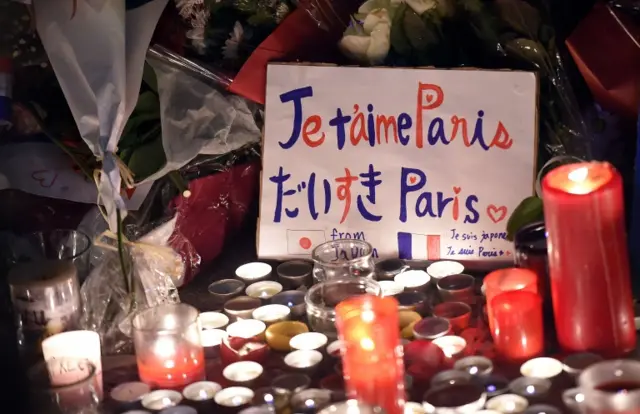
(305, 243)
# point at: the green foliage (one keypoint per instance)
(528, 211)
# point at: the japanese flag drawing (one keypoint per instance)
(412, 246)
(302, 242)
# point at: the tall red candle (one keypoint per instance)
(505, 280)
(518, 330)
(372, 355)
(588, 259)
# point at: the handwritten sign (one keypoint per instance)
(44, 169)
(422, 163)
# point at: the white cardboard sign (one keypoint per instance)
(422, 163)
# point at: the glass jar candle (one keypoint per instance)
(343, 258)
(169, 352)
(323, 297)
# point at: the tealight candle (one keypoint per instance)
(411, 407)
(234, 397)
(508, 403)
(212, 337)
(129, 394)
(241, 307)
(294, 382)
(309, 341)
(542, 409)
(542, 367)
(310, 401)
(243, 372)
(271, 313)
(352, 406)
(442, 268)
(263, 290)
(474, 365)
(160, 399)
(137, 412)
(303, 360)
(450, 377)
(247, 328)
(213, 320)
(451, 345)
(390, 287)
(295, 273)
(179, 409)
(488, 412)
(413, 280)
(335, 348)
(253, 272)
(431, 328)
(389, 268)
(530, 387)
(294, 299)
(494, 384)
(201, 391)
(225, 289)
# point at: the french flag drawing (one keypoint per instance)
(412, 246)
(303, 242)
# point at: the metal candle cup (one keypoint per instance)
(201, 391)
(243, 373)
(211, 339)
(158, 400)
(225, 289)
(413, 280)
(263, 290)
(294, 299)
(253, 272)
(247, 328)
(241, 307)
(233, 397)
(309, 401)
(542, 367)
(304, 361)
(457, 288)
(351, 406)
(469, 397)
(443, 268)
(273, 399)
(272, 313)
(295, 273)
(530, 387)
(450, 377)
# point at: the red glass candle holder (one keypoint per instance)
(372, 354)
(518, 330)
(169, 353)
(588, 259)
(505, 280)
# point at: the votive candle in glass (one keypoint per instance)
(168, 346)
(368, 328)
(518, 329)
(505, 280)
(588, 259)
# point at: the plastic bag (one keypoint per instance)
(111, 295)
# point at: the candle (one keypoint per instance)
(389, 268)
(458, 398)
(263, 290)
(411, 407)
(451, 345)
(294, 299)
(530, 387)
(309, 341)
(271, 313)
(245, 342)
(213, 320)
(179, 409)
(494, 384)
(310, 401)
(442, 268)
(75, 345)
(368, 327)
(234, 397)
(253, 272)
(223, 290)
(241, 307)
(457, 313)
(457, 288)
(168, 346)
(431, 328)
(242, 372)
(294, 383)
(504, 280)
(248, 328)
(390, 288)
(129, 394)
(279, 334)
(542, 367)
(160, 399)
(508, 403)
(303, 360)
(212, 337)
(295, 273)
(450, 377)
(474, 365)
(351, 407)
(335, 348)
(201, 391)
(518, 331)
(588, 260)
(413, 280)
(412, 301)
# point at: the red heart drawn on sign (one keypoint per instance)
(456, 190)
(45, 178)
(129, 192)
(412, 180)
(429, 98)
(496, 214)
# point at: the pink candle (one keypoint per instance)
(588, 259)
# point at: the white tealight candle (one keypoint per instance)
(201, 391)
(179, 409)
(252, 272)
(247, 328)
(413, 408)
(442, 268)
(129, 392)
(213, 320)
(212, 337)
(390, 288)
(543, 367)
(451, 345)
(243, 371)
(303, 359)
(263, 290)
(160, 399)
(508, 403)
(271, 313)
(308, 341)
(413, 279)
(234, 396)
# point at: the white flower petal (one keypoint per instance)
(421, 6)
(380, 44)
(374, 19)
(355, 47)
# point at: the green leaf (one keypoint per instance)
(147, 159)
(399, 41)
(528, 211)
(529, 51)
(520, 15)
(148, 103)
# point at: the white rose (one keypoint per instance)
(373, 46)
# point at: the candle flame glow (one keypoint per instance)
(164, 348)
(367, 344)
(580, 179)
(579, 175)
